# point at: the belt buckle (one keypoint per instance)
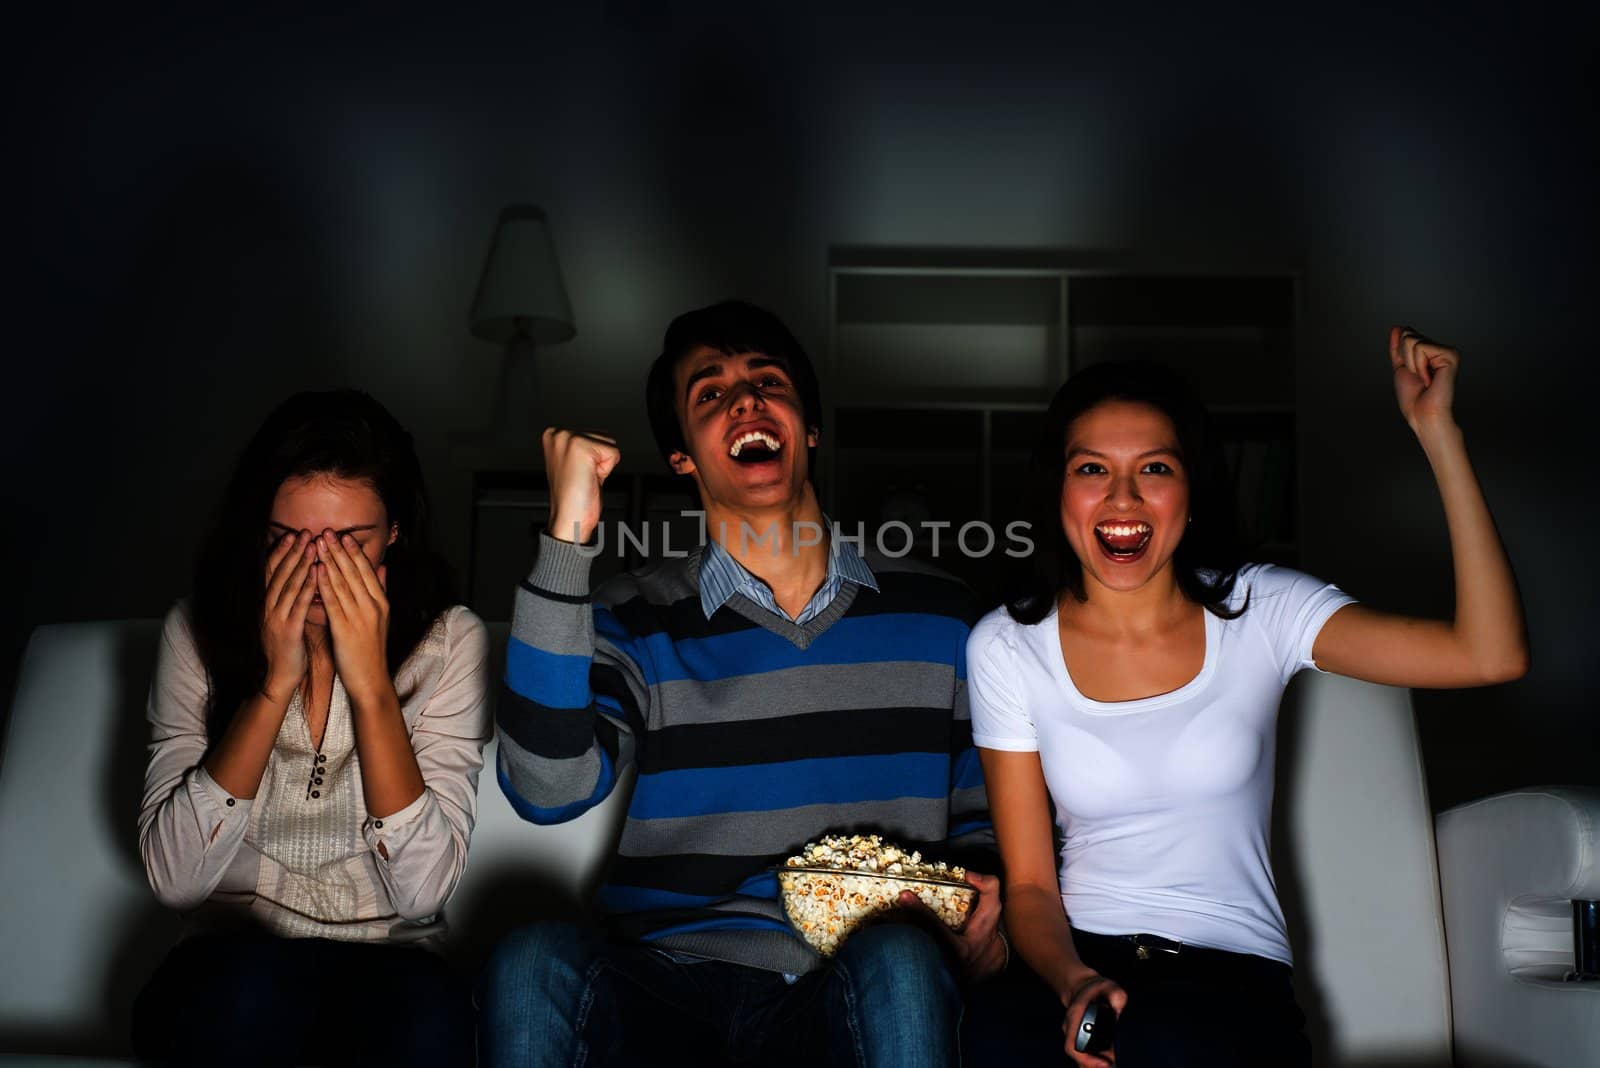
(1144, 945)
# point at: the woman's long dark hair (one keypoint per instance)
(343, 433)
(1206, 562)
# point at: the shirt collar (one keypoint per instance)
(721, 576)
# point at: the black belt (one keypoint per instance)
(1149, 947)
(1144, 945)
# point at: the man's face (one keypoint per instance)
(742, 419)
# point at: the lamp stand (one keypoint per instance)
(518, 413)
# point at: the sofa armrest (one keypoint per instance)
(1510, 867)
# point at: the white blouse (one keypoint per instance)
(301, 858)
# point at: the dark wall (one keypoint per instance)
(207, 213)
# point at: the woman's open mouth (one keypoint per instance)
(1123, 542)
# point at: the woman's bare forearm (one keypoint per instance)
(1040, 933)
(390, 777)
(239, 758)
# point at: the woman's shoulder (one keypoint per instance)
(458, 630)
(1000, 627)
(1263, 593)
(457, 641)
(178, 653)
(459, 619)
(994, 623)
(180, 613)
(177, 626)
(1265, 580)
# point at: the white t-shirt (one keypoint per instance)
(1164, 803)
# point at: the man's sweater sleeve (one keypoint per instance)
(572, 705)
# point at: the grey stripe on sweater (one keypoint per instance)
(757, 833)
(792, 691)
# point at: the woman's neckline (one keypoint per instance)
(1063, 674)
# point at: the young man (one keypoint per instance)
(769, 688)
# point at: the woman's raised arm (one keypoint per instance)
(1487, 640)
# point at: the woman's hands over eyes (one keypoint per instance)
(1087, 990)
(355, 599)
(299, 568)
(283, 617)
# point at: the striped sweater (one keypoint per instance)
(751, 735)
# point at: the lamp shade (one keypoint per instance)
(522, 282)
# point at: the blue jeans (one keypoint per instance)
(250, 999)
(557, 994)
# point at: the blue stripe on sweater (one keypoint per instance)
(914, 637)
(614, 897)
(762, 884)
(731, 922)
(549, 816)
(767, 787)
(552, 679)
(609, 627)
(968, 771)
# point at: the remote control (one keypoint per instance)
(1097, 1029)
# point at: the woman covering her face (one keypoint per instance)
(1136, 688)
(318, 720)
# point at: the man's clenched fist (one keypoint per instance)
(577, 465)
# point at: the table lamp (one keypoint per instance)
(521, 304)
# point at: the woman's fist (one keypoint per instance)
(1424, 378)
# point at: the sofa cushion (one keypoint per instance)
(82, 929)
(1356, 872)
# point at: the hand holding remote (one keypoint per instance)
(1097, 1029)
(1093, 1004)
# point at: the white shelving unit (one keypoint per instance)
(938, 374)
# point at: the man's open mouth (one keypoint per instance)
(1123, 540)
(755, 447)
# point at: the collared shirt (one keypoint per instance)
(721, 576)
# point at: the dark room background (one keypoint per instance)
(207, 212)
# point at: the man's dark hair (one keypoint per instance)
(1206, 561)
(733, 328)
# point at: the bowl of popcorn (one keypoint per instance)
(839, 882)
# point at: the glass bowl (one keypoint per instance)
(824, 905)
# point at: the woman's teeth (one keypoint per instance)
(1123, 539)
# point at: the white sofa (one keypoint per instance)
(1358, 857)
